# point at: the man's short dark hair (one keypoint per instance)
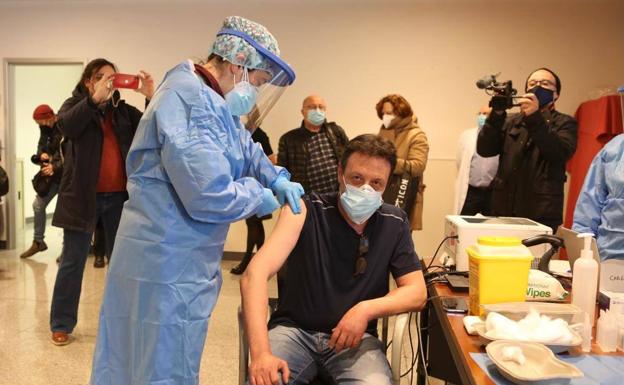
(370, 145)
(557, 81)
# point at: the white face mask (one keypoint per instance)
(386, 119)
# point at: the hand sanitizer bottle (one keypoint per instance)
(585, 279)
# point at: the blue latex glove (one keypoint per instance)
(269, 203)
(288, 191)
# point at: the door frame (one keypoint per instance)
(10, 138)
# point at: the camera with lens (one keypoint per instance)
(36, 159)
(502, 93)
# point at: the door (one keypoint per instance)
(30, 82)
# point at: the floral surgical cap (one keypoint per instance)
(231, 47)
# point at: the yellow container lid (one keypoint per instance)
(489, 247)
(499, 241)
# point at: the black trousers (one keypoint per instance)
(478, 200)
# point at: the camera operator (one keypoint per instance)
(47, 181)
(534, 147)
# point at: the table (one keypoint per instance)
(449, 346)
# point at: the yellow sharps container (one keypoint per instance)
(499, 271)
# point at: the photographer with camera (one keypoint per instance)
(534, 147)
(46, 181)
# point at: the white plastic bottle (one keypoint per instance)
(585, 279)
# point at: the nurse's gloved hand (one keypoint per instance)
(269, 203)
(288, 191)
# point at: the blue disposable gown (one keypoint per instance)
(600, 206)
(192, 170)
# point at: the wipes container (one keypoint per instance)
(498, 271)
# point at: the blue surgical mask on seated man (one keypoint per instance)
(360, 202)
(242, 98)
(316, 117)
(481, 120)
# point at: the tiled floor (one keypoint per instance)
(27, 357)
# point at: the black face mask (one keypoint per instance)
(544, 95)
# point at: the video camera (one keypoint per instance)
(36, 159)
(502, 93)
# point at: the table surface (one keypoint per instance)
(470, 344)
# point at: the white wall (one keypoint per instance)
(353, 53)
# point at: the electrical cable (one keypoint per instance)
(418, 356)
(438, 249)
(422, 352)
(409, 333)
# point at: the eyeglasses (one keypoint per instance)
(360, 261)
(543, 82)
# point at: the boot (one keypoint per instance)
(240, 268)
(99, 261)
(36, 247)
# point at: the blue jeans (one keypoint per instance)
(39, 208)
(308, 354)
(64, 312)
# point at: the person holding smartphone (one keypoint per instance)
(98, 127)
(534, 147)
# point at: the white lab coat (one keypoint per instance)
(465, 150)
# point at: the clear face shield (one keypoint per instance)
(268, 95)
(270, 81)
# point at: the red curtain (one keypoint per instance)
(599, 121)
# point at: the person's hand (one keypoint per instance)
(269, 203)
(47, 170)
(528, 104)
(288, 191)
(349, 331)
(44, 156)
(265, 370)
(147, 85)
(103, 89)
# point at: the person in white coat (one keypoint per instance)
(474, 172)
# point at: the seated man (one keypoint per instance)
(338, 253)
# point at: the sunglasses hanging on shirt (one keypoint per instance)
(360, 261)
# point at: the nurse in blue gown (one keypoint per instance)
(192, 170)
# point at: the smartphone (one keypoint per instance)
(126, 81)
(454, 304)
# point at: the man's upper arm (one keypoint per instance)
(404, 259)
(343, 135)
(281, 242)
(415, 278)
